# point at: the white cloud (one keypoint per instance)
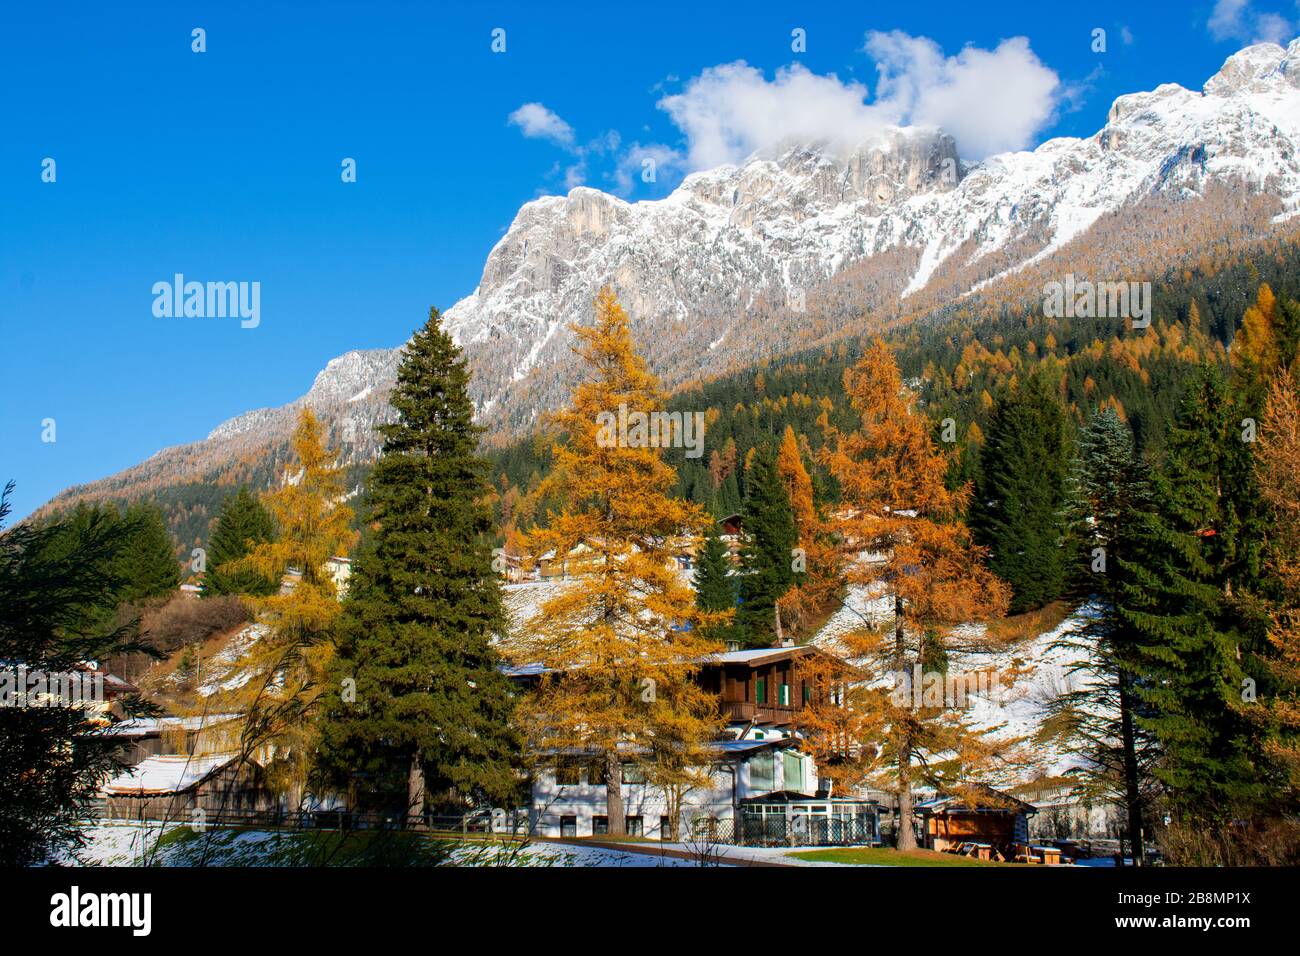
(537, 122)
(989, 100)
(1227, 18)
(1239, 20)
(1273, 28)
(650, 163)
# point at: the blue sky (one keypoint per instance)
(225, 165)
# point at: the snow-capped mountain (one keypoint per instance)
(799, 245)
(693, 268)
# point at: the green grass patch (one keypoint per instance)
(885, 856)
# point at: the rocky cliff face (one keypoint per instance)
(796, 245)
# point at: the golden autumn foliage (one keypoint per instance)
(822, 578)
(282, 670)
(1277, 463)
(1255, 349)
(622, 642)
(897, 508)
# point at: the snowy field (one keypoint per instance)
(134, 844)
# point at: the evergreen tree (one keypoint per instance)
(148, 562)
(766, 558)
(714, 588)
(243, 524)
(1019, 511)
(58, 585)
(1178, 596)
(431, 711)
(1112, 494)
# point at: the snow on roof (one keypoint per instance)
(143, 726)
(748, 746)
(753, 654)
(166, 773)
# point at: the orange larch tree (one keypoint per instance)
(622, 642)
(819, 560)
(279, 679)
(911, 549)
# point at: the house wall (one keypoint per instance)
(584, 801)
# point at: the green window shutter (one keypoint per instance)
(785, 695)
(760, 691)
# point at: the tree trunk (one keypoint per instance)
(415, 794)
(1132, 793)
(906, 835)
(614, 793)
(674, 796)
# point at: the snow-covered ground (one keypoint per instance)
(135, 844)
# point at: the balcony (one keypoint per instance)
(764, 713)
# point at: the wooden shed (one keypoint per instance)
(979, 815)
(174, 786)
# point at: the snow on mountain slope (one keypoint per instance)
(728, 269)
(784, 223)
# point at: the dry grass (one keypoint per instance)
(1023, 627)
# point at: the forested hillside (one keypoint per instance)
(961, 363)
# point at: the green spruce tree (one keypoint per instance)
(59, 585)
(1190, 562)
(243, 524)
(767, 559)
(1111, 494)
(714, 587)
(417, 705)
(1019, 512)
(148, 563)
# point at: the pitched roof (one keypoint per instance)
(167, 773)
(986, 799)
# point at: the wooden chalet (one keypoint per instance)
(760, 690)
(763, 687)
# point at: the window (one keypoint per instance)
(762, 772)
(568, 826)
(665, 829)
(793, 771)
(568, 772)
(807, 693)
(760, 691)
(633, 774)
(784, 699)
(596, 773)
(635, 825)
(599, 825)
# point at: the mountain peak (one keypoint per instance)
(1262, 67)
